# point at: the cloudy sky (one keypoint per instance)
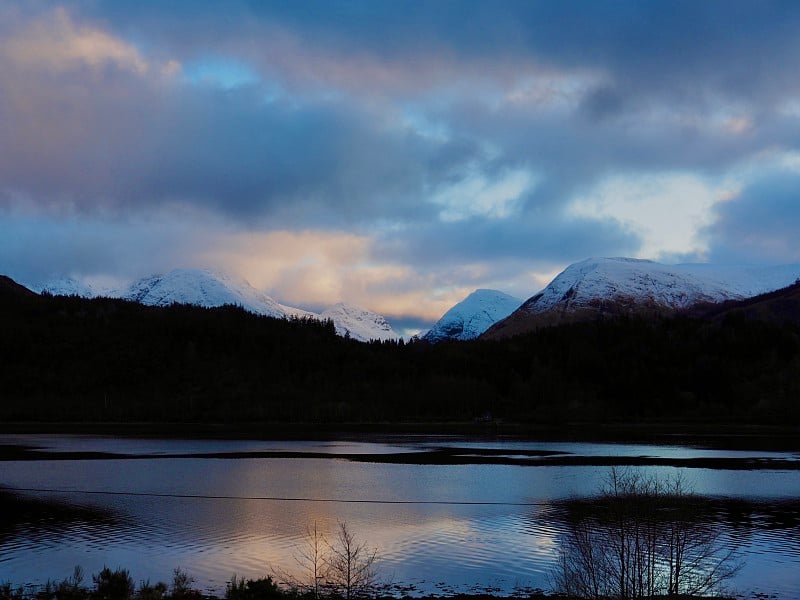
(395, 155)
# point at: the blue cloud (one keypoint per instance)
(550, 240)
(761, 224)
(351, 116)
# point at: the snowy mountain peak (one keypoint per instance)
(647, 282)
(598, 286)
(207, 288)
(202, 288)
(63, 286)
(472, 316)
(359, 323)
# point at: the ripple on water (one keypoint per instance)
(456, 545)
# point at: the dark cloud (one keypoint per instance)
(112, 137)
(683, 47)
(316, 164)
(553, 239)
(761, 224)
(360, 114)
(574, 152)
(36, 248)
(125, 143)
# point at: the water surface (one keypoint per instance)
(438, 527)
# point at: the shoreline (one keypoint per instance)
(435, 456)
(717, 436)
(729, 435)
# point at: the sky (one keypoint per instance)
(396, 155)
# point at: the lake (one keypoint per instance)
(446, 514)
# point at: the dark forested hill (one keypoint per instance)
(10, 290)
(72, 359)
(780, 306)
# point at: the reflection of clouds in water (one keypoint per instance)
(748, 484)
(459, 544)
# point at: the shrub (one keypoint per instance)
(252, 589)
(151, 592)
(7, 592)
(182, 586)
(72, 588)
(113, 585)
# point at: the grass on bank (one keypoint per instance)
(119, 585)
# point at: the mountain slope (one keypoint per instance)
(206, 288)
(210, 289)
(358, 323)
(472, 316)
(11, 290)
(64, 286)
(780, 306)
(201, 288)
(600, 287)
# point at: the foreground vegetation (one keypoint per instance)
(105, 360)
(118, 585)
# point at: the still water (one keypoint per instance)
(438, 527)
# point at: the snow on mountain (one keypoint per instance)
(645, 281)
(360, 324)
(63, 286)
(298, 313)
(472, 316)
(201, 288)
(617, 285)
(206, 288)
(209, 289)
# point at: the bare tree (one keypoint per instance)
(350, 565)
(641, 538)
(311, 559)
(696, 561)
(312, 562)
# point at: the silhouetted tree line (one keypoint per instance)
(72, 359)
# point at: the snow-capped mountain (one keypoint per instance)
(63, 286)
(607, 286)
(201, 288)
(210, 289)
(358, 323)
(472, 316)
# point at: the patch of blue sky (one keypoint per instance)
(221, 72)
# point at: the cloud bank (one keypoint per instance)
(394, 155)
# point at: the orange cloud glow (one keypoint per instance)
(54, 41)
(322, 268)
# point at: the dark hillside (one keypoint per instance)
(72, 359)
(780, 306)
(10, 290)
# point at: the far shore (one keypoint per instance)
(719, 435)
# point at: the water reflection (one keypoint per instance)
(512, 541)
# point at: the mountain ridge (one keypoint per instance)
(473, 315)
(10, 289)
(606, 287)
(200, 287)
(71, 359)
(778, 306)
(63, 286)
(358, 323)
(208, 288)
